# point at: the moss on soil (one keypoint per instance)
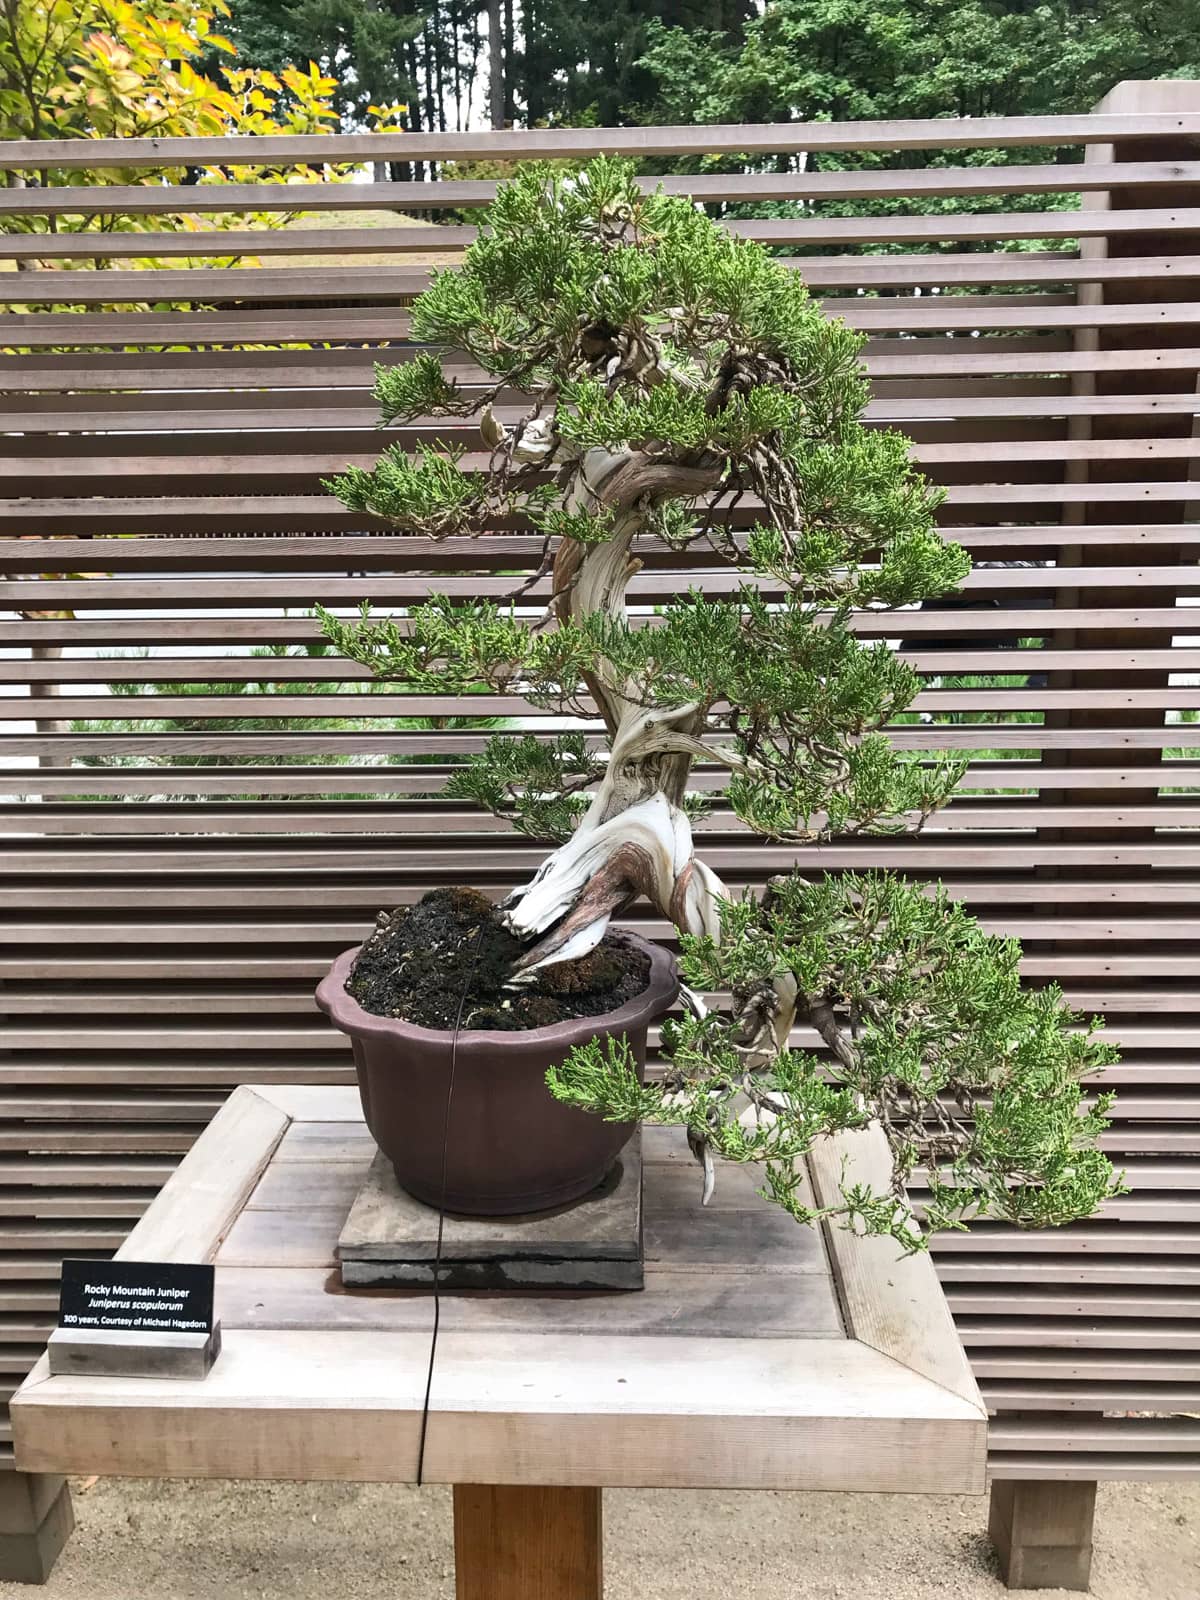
(419, 960)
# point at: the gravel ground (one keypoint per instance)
(243, 1541)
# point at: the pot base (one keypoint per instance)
(471, 1204)
(390, 1239)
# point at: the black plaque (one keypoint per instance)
(136, 1297)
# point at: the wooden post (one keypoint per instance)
(527, 1543)
(47, 691)
(35, 1522)
(1042, 1530)
(1158, 332)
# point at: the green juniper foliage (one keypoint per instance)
(976, 1081)
(679, 385)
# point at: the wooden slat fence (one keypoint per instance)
(170, 894)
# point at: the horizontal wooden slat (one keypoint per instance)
(374, 704)
(288, 669)
(227, 629)
(519, 144)
(262, 285)
(262, 928)
(49, 999)
(112, 967)
(744, 187)
(926, 357)
(646, 587)
(1055, 266)
(298, 780)
(982, 735)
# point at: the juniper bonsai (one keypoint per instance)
(676, 384)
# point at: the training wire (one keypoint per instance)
(437, 1254)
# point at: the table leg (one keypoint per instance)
(1042, 1530)
(527, 1543)
(35, 1522)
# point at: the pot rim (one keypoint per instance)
(344, 1011)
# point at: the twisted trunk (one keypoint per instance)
(635, 837)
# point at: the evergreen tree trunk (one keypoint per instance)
(635, 838)
(412, 62)
(535, 86)
(496, 86)
(509, 65)
(437, 58)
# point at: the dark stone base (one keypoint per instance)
(390, 1239)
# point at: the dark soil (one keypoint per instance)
(419, 960)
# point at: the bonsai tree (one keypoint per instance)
(677, 384)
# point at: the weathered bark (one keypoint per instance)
(496, 94)
(635, 838)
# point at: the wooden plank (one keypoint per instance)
(1170, 1435)
(283, 1239)
(443, 823)
(215, 285)
(995, 1333)
(372, 705)
(96, 592)
(1116, 1366)
(938, 269)
(975, 737)
(201, 1199)
(292, 1186)
(806, 184)
(721, 1412)
(221, 412)
(527, 1543)
(298, 780)
(303, 630)
(347, 372)
(307, 968)
(927, 357)
(219, 243)
(1123, 1300)
(679, 1300)
(325, 1141)
(1093, 1468)
(321, 1103)
(890, 1302)
(542, 143)
(813, 229)
(1094, 1397)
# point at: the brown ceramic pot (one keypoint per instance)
(512, 1147)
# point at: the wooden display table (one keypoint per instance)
(760, 1355)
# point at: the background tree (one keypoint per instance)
(588, 63)
(468, 62)
(382, 52)
(806, 60)
(721, 60)
(837, 60)
(100, 69)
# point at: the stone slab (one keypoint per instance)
(390, 1239)
(101, 1352)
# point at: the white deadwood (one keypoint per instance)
(635, 837)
